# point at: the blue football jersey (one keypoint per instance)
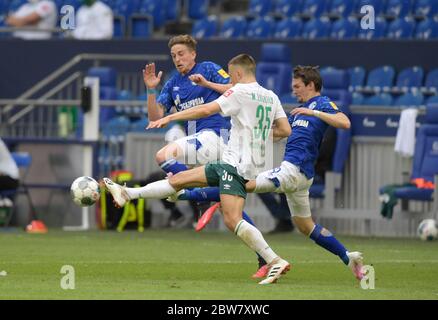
(302, 147)
(181, 93)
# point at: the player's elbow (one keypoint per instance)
(346, 124)
(286, 131)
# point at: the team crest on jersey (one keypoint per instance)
(228, 93)
(312, 105)
(223, 73)
(175, 88)
(177, 100)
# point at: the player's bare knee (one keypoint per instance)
(160, 156)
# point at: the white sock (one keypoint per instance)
(254, 239)
(155, 190)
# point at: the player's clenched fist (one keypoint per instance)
(150, 79)
(198, 79)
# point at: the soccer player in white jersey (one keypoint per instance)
(256, 113)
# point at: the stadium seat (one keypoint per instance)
(378, 5)
(341, 8)
(274, 70)
(409, 78)
(432, 99)
(139, 125)
(119, 26)
(116, 127)
(357, 77)
(289, 98)
(107, 75)
(427, 29)
(234, 27)
(316, 28)
(259, 8)
(155, 8)
(205, 28)
(380, 99)
(344, 29)
(260, 28)
(425, 159)
(412, 98)
(198, 9)
(140, 26)
(380, 78)
(314, 8)
(125, 8)
(379, 31)
(288, 28)
(173, 10)
(402, 28)
(357, 98)
(431, 82)
(398, 8)
(287, 8)
(426, 8)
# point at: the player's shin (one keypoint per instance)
(254, 239)
(325, 239)
(155, 190)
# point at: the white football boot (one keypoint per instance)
(118, 192)
(356, 264)
(277, 267)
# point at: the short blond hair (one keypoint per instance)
(184, 39)
(245, 61)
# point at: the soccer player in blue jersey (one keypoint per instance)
(206, 137)
(295, 175)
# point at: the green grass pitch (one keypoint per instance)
(171, 264)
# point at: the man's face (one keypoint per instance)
(300, 90)
(183, 58)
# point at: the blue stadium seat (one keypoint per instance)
(357, 98)
(288, 98)
(116, 127)
(357, 77)
(431, 82)
(398, 8)
(287, 8)
(107, 75)
(198, 9)
(15, 4)
(344, 29)
(425, 158)
(378, 5)
(173, 10)
(409, 78)
(314, 8)
(380, 78)
(426, 8)
(316, 28)
(342, 8)
(379, 31)
(274, 70)
(288, 28)
(380, 99)
(155, 8)
(427, 29)
(234, 27)
(205, 28)
(119, 26)
(411, 98)
(140, 26)
(432, 99)
(263, 27)
(125, 8)
(258, 8)
(139, 125)
(402, 28)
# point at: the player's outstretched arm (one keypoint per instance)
(202, 111)
(337, 120)
(151, 80)
(201, 81)
(281, 129)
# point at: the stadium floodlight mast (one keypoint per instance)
(90, 134)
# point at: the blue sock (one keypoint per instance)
(329, 242)
(173, 166)
(201, 194)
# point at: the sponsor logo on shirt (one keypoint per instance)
(300, 123)
(228, 93)
(175, 88)
(227, 187)
(334, 106)
(190, 103)
(223, 73)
